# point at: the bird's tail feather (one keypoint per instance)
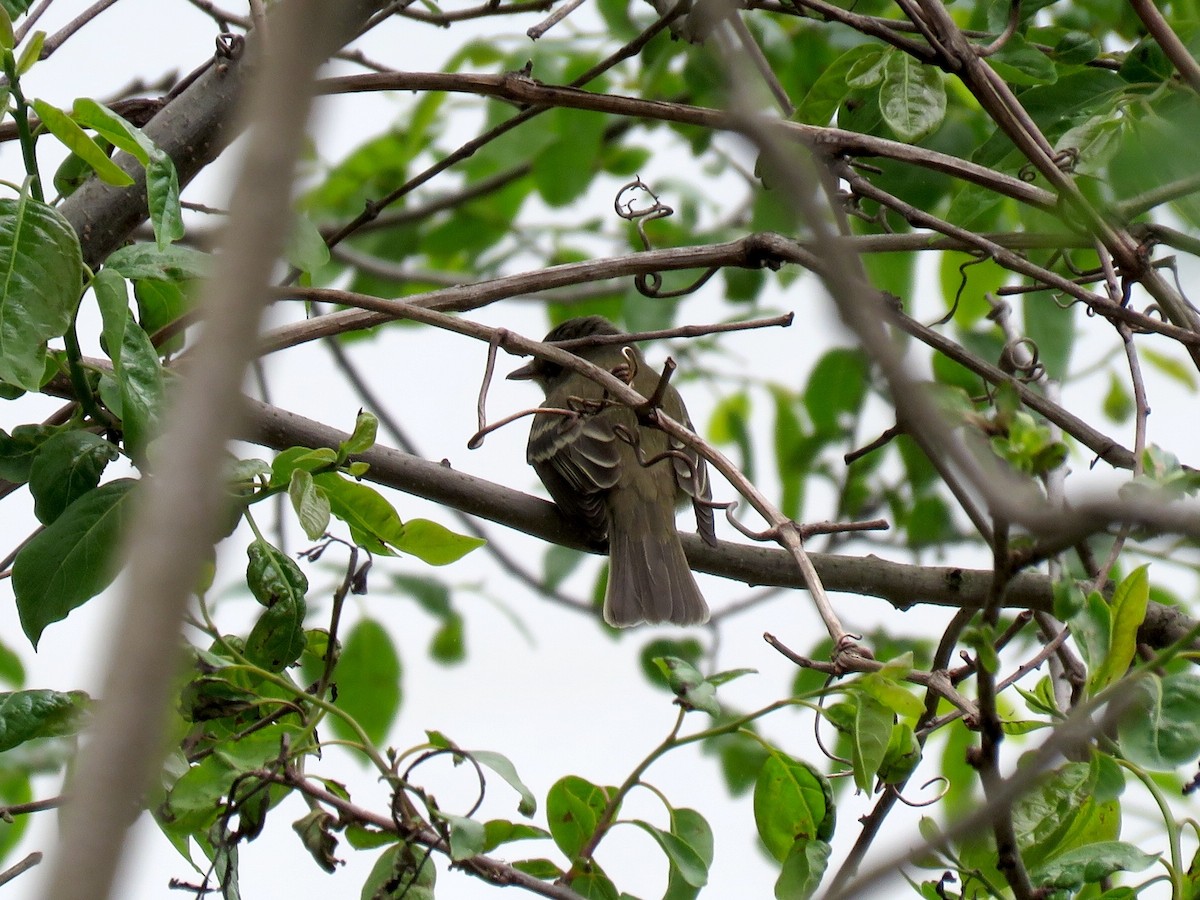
(649, 579)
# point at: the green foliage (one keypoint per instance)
(1057, 161)
(368, 676)
(29, 715)
(43, 271)
(72, 560)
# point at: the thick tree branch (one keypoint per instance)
(752, 252)
(901, 585)
(193, 129)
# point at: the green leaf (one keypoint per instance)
(31, 52)
(792, 801)
(968, 280)
(112, 297)
(834, 84)
(287, 461)
(681, 855)
(573, 808)
(498, 832)
(161, 303)
(315, 832)
(78, 142)
(29, 715)
(1092, 629)
(1053, 330)
(729, 424)
(912, 97)
(374, 523)
(728, 675)
(403, 872)
(1118, 404)
(902, 757)
(692, 689)
(1170, 366)
(361, 838)
(12, 670)
(1090, 864)
(593, 884)
(1129, 603)
(1018, 62)
(836, 388)
(172, 263)
(892, 694)
(368, 681)
(310, 503)
(140, 376)
(72, 172)
(1060, 813)
(19, 449)
(362, 439)
(802, 870)
(162, 197)
(502, 766)
(1162, 731)
(869, 738)
(741, 758)
(694, 831)
(304, 248)
(67, 467)
(467, 836)
(277, 638)
(564, 169)
(538, 868)
(435, 544)
(272, 575)
(558, 563)
(1092, 144)
(6, 30)
(114, 128)
(1077, 48)
(41, 267)
(72, 560)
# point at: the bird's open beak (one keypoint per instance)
(525, 373)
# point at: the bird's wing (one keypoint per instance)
(578, 459)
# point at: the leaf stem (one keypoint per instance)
(24, 133)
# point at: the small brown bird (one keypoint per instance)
(595, 477)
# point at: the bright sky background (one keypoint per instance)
(569, 700)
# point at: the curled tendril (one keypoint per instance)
(1027, 370)
(1027, 173)
(650, 285)
(829, 754)
(978, 256)
(918, 804)
(624, 434)
(1067, 159)
(769, 535)
(458, 755)
(626, 209)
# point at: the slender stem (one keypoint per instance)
(1176, 868)
(24, 133)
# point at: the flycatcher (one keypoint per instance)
(593, 473)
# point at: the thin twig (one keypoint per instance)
(20, 868)
(553, 19)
